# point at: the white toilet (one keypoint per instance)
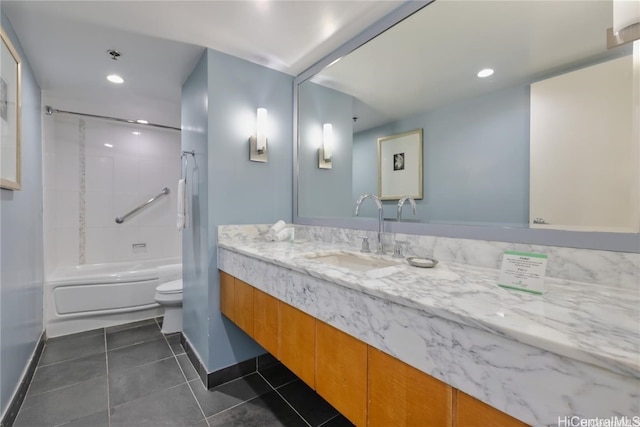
(169, 295)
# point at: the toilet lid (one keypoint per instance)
(172, 287)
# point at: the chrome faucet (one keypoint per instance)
(380, 250)
(401, 204)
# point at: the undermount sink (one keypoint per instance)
(353, 261)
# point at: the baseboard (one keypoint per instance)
(11, 413)
(230, 373)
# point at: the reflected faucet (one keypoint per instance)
(401, 204)
(380, 250)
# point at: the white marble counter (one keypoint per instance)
(595, 325)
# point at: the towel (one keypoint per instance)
(183, 205)
(277, 227)
(280, 236)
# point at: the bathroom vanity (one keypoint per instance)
(393, 344)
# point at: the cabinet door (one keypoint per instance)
(227, 295)
(244, 306)
(341, 372)
(470, 412)
(400, 395)
(265, 321)
(297, 342)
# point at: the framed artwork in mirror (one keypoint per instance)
(10, 104)
(400, 165)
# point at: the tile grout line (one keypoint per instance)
(106, 356)
(285, 400)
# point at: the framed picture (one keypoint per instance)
(400, 165)
(10, 105)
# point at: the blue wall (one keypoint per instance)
(21, 257)
(234, 189)
(318, 105)
(476, 161)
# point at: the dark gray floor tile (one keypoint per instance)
(72, 346)
(229, 394)
(130, 325)
(174, 343)
(313, 408)
(278, 375)
(63, 374)
(339, 421)
(188, 369)
(131, 384)
(64, 405)
(268, 410)
(101, 419)
(173, 407)
(138, 354)
(202, 423)
(133, 336)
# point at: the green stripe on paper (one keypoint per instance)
(526, 254)
(520, 289)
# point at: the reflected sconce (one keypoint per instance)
(325, 152)
(626, 23)
(258, 142)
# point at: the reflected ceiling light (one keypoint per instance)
(325, 152)
(114, 78)
(258, 143)
(136, 133)
(626, 23)
(485, 72)
(142, 122)
(108, 145)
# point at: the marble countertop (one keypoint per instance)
(581, 321)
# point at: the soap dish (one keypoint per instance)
(422, 262)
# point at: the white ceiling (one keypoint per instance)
(66, 43)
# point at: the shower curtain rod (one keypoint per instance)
(49, 111)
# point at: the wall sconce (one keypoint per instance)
(626, 23)
(258, 143)
(325, 152)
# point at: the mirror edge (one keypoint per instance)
(607, 241)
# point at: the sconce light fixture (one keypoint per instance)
(626, 23)
(325, 152)
(258, 142)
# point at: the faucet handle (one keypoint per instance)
(397, 249)
(365, 244)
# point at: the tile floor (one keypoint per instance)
(133, 376)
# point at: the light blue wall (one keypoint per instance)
(195, 243)
(319, 105)
(21, 257)
(476, 160)
(233, 189)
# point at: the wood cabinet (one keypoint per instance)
(227, 295)
(297, 342)
(265, 321)
(401, 395)
(470, 412)
(243, 296)
(341, 372)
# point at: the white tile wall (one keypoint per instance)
(117, 180)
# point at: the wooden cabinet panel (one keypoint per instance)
(470, 412)
(297, 342)
(227, 295)
(341, 372)
(401, 395)
(244, 306)
(265, 321)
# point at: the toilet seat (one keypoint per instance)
(173, 287)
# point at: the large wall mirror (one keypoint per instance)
(543, 149)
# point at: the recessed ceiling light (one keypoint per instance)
(142, 122)
(114, 78)
(108, 145)
(485, 73)
(136, 133)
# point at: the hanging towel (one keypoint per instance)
(183, 205)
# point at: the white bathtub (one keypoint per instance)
(85, 297)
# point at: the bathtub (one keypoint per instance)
(85, 297)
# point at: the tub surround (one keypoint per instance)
(572, 351)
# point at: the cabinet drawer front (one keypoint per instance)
(470, 412)
(265, 321)
(227, 295)
(297, 342)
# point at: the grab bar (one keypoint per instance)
(121, 219)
